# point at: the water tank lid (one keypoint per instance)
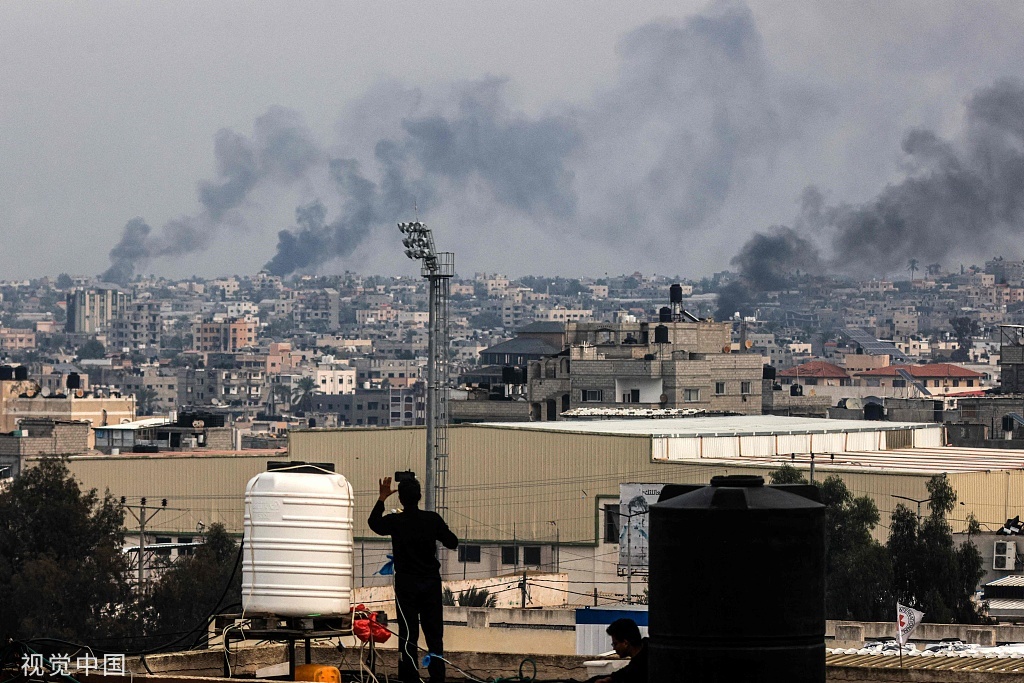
(741, 492)
(301, 467)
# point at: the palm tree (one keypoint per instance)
(278, 393)
(304, 390)
(912, 267)
(145, 399)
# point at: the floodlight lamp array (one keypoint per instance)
(418, 241)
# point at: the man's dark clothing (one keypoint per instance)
(414, 537)
(636, 670)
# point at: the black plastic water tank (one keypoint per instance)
(74, 381)
(675, 294)
(664, 314)
(21, 373)
(661, 334)
(6, 372)
(737, 583)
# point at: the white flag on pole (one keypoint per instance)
(907, 619)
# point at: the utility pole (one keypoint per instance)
(141, 517)
(142, 543)
(629, 560)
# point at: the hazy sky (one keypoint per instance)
(534, 137)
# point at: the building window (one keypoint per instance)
(744, 387)
(509, 554)
(719, 388)
(592, 395)
(611, 523)
(970, 382)
(691, 395)
(163, 552)
(899, 383)
(185, 551)
(469, 553)
(531, 555)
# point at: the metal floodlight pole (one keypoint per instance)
(429, 476)
(438, 269)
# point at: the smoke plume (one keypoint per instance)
(650, 158)
(957, 199)
(281, 151)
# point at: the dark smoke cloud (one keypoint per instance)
(126, 253)
(769, 261)
(281, 151)
(655, 154)
(956, 199)
(693, 104)
(521, 161)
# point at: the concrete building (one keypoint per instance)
(38, 437)
(937, 378)
(138, 326)
(667, 365)
(190, 432)
(23, 400)
(17, 339)
(92, 310)
(229, 335)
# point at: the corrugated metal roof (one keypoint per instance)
(1015, 580)
(946, 459)
(957, 661)
(138, 424)
(1005, 604)
(735, 425)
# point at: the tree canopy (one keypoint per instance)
(208, 581)
(65, 575)
(919, 566)
(61, 559)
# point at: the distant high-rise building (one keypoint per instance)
(224, 335)
(92, 309)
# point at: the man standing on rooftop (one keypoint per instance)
(414, 537)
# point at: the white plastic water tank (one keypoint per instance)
(297, 559)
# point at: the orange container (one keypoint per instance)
(318, 673)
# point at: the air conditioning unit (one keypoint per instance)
(1004, 556)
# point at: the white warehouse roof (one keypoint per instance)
(752, 436)
(735, 425)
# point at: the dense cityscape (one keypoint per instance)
(270, 353)
(626, 344)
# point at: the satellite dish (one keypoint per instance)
(727, 348)
(854, 404)
(45, 392)
(748, 344)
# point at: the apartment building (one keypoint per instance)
(138, 326)
(227, 335)
(91, 310)
(650, 365)
(17, 339)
